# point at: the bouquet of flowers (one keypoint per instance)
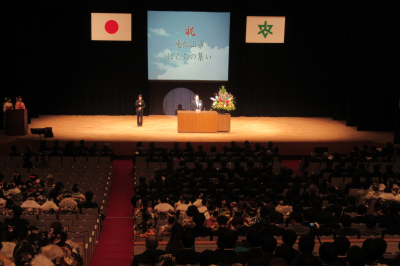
(223, 100)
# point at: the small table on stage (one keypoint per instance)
(203, 122)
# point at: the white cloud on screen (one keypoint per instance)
(160, 32)
(214, 68)
(163, 53)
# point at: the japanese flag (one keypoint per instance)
(111, 27)
(265, 29)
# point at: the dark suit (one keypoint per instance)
(188, 256)
(139, 113)
(228, 256)
(252, 254)
(195, 106)
(148, 256)
(261, 261)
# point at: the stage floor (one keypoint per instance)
(294, 132)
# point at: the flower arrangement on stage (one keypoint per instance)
(223, 101)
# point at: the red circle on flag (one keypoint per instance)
(111, 26)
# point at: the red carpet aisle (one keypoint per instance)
(115, 245)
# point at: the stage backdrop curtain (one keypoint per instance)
(339, 60)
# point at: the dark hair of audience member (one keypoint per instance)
(268, 244)
(89, 195)
(192, 210)
(229, 239)
(199, 219)
(356, 256)
(285, 252)
(342, 245)
(346, 220)
(222, 220)
(289, 237)
(306, 244)
(371, 248)
(328, 253)
(253, 238)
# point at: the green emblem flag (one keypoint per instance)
(265, 29)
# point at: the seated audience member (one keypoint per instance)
(371, 229)
(253, 239)
(187, 255)
(228, 255)
(68, 205)
(163, 209)
(94, 151)
(373, 248)
(328, 253)
(14, 151)
(88, 203)
(30, 206)
(146, 227)
(212, 221)
(352, 205)
(305, 247)
(165, 230)
(356, 256)
(373, 194)
(289, 238)
(191, 212)
(342, 245)
(268, 246)
(16, 221)
(238, 224)
(382, 246)
(306, 244)
(346, 229)
(361, 211)
(199, 230)
(285, 252)
(296, 218)
(150, 255)
(222, 220)
(76, 195)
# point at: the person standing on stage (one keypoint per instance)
(19, 104)
(139, 110)
(7, 105)
(197, 103)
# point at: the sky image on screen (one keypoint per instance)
(188, 45)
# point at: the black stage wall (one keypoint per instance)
(339, 60)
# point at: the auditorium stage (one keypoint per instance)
(293, 135)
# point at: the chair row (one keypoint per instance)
(38, 158)
(62, 165)
(42, 173)
(315, 167)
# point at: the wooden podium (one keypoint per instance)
(203, 122)
(17, 122)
